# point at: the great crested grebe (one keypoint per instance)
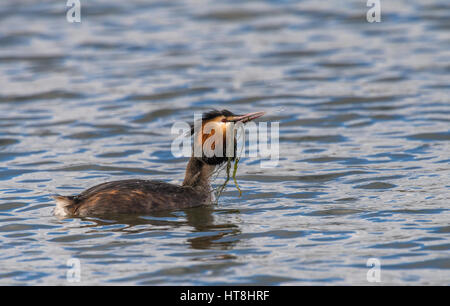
(143, 196)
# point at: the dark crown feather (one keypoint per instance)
(211, 115)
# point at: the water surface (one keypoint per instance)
(364, 140)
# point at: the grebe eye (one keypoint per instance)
(224, 120)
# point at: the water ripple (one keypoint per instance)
(364, 140)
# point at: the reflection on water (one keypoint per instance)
(200, 221)
(364, 139)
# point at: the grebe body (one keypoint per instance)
(130, 197)
(143, 196)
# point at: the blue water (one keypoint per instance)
(364, 112)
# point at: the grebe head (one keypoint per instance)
(218, 130)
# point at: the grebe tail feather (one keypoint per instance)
(62, 205)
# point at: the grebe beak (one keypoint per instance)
(245, 118)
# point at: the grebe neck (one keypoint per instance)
(198, 174)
